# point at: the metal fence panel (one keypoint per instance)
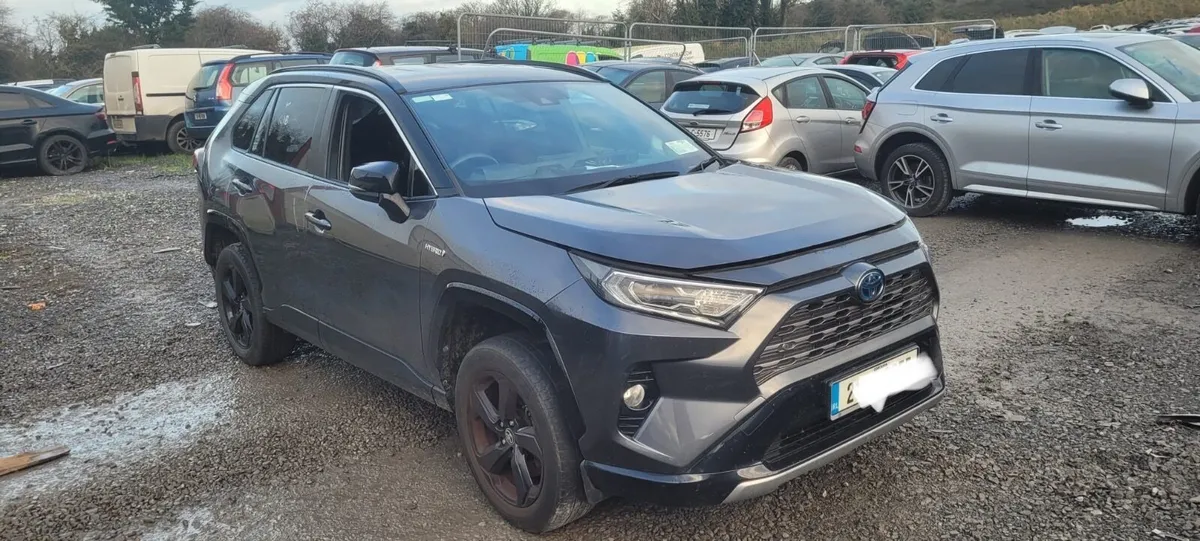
(575, 49)
(703, 42)
(776, 40)
(912, 36)
(474, 29)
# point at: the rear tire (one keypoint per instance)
(508, 411)
(178, 140)
(60, 155)
(256, 341)
(917, 177)
(791, 164)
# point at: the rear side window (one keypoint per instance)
(937, 77)
(206, 77)
(408, 59)
(650, 87)
(699, 97)
(247, 125)
(13, 102)
(302, 62)
(803, 93)
(293, 125)
(616, 75)
(248, 72)
(352, 58)
(994, 72)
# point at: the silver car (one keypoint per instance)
(796, 118)
(1105, 119)
(801, 59)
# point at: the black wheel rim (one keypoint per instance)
(235, 308)
(184, 141)
(504, 440)
(910, 180)
(64, 155)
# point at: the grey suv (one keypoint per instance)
(608, 307)
(1104, 119)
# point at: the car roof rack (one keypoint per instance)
(354, 70)
(147, 46)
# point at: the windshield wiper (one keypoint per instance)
(704, 164)
(630, 179)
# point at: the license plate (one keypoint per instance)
(201, 116)
(842, 399)
(117, 123)
(707, 134)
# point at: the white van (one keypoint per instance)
(144, 92)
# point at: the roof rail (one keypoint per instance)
(147, 46)
(541, 64)
(350, 70)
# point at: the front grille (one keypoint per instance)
(825, 326)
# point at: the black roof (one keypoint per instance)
(433, 77)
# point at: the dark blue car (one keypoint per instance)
(213, 89)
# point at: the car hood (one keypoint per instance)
(737, 214)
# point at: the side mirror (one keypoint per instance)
(379, 182)
(1134, 91)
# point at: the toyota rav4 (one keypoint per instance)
(608, 307)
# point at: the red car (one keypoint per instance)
(887, 58)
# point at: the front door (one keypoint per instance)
(848, 100)
(370, 310)
(815, 122)
(1087, 146)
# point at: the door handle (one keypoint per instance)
(851, 120)
(802, 119)
(28, 122)
(120, 98)
(317, 218)
(942, 117)
(241, 186)
(1048, 125)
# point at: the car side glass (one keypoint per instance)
(806, 93)
(1074, 73)
(846, 96)
(246, 129)
(650, 87)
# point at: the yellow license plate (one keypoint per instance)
(841, 393)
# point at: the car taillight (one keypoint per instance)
(137, 93)
(378, 62)
(866, 110)
(760, 116)
(901, 60)
(101, 116)
(225, 84)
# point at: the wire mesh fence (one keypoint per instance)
(576, 49)
(918, 35)
(702, 42)
(475, 29)
(773, 41)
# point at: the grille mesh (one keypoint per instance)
(825, 326)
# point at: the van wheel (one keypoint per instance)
(178, 139)
(62, 155)
(515, 436)
(918, 178)
(256, 341)
(791, 164)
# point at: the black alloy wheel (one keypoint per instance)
(62, 155)
(504, 438)
(236, 312)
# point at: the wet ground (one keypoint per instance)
(1066, 331)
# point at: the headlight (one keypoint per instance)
(699, 302)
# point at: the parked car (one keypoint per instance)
(1192, 40)
(218, 82)
(145, 89)
(709, 66)
(796, 118)
(869, 76)
(608, 307)
(1105, 120)
(402, 54)
(895, 59)
(651, 82)
(801, 59)
(41, 84)
(82, 91)
(60, 136)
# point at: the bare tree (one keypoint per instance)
(222, 26)
(311, 26)
(365, 25)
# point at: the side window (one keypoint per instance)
(677, 76)
(247, 125)
(439, 58)
(411, 59)
(824, 60)
(1073, 73)
(248, 72)
(40, 103)
(937, 77)
(92, 94)
(993, 72)
(13, 102)
(293, 125)
(846, 95)
(302, 62)
(364, 133)
(650, 87)
(805, 93)
(352, 58)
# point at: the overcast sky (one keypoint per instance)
(275, 11)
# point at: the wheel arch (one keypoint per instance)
(59, 131)
(466, 315)
(220, 231)
(799, 156)
(1191, 193)
(905, 137)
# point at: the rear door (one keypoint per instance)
(980, 110)
(164, 75)
(118, 91)
(18, 127)
(712, 110)
(847, 99)
(815, 122)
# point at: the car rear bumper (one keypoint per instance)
(101, 142)
(135, 129)
(201, 128)
(751, 481)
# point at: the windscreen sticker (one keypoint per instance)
(682, 146)
(697, 106)
(422, 99)
(442, 97)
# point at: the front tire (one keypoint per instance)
(256, 341)
(917, 177)
(515, 436)
(178, 139)
(60, 155)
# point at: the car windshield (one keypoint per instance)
(206, 77)
(549, 138)
(1179, 64)
(59, 91)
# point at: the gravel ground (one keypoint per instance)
(1063, 343)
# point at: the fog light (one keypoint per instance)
(635, 397)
